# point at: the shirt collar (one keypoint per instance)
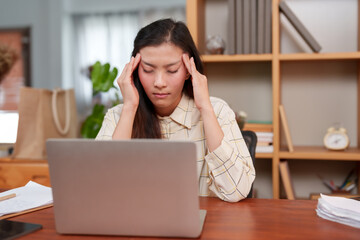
(182, 113)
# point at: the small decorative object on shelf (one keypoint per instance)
(241, 118)
(215, 45)
(336, 138)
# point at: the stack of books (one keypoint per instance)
(338, 209)
(264, 135)
(265, 142)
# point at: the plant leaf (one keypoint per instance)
(92, 124)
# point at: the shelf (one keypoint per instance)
(282, 57)
(237, 58)
(12, 160)
(264, 155)
(319, 56)
(320, 153)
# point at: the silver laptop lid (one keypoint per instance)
(134, 188)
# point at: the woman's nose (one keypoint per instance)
(159, 81)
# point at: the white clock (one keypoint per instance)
(336, 139)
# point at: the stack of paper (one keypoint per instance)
(31, 196)
(339, 209)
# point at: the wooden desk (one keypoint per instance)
(248, 219)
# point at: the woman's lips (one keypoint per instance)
(161, 95)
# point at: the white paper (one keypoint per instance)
(339, 209)
(343, 203)
(30, 196)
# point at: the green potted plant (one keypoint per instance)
(102, 78)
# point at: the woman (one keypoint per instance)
(165, 95)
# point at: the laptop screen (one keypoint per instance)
(8, 126)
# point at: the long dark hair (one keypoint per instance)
(146, 123)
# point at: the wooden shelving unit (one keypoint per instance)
(237, 58)
(196, 23)
(320, 56)
(320, 153)
(264, 155)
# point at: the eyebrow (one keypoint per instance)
(167, 65)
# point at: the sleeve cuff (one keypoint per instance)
(220, 155)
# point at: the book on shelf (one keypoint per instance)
(286, 179)
(268, 26)
(239, 26)
(260, 26)
(266, 137)
(231, 44)
(300, 28)
(264, 134)
(286, 128)
(253, 26)
(264, 142)
(246, 27)
(264, 149)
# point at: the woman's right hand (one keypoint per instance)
(126, 83)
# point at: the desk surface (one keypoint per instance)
(248, 219)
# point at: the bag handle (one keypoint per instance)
(65, 130)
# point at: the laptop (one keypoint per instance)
(128, 188)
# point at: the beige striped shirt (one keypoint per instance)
(228, 171)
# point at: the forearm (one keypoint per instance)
(212, 129)
(230, 165)
(232, 172)
(124, 127)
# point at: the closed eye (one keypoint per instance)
(175, 71)
(148, 71)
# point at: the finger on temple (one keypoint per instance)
(129, 67)
(192, 64)
(136, 61)
(186, 62)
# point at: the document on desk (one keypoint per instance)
(30, 196)
(339, 209)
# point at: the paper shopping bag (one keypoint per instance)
(44, 114)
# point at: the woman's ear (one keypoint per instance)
(187, 76)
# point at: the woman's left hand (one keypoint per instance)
(200, 86)
(213, 131)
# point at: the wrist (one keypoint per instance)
(129, 108)
(206, 109)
